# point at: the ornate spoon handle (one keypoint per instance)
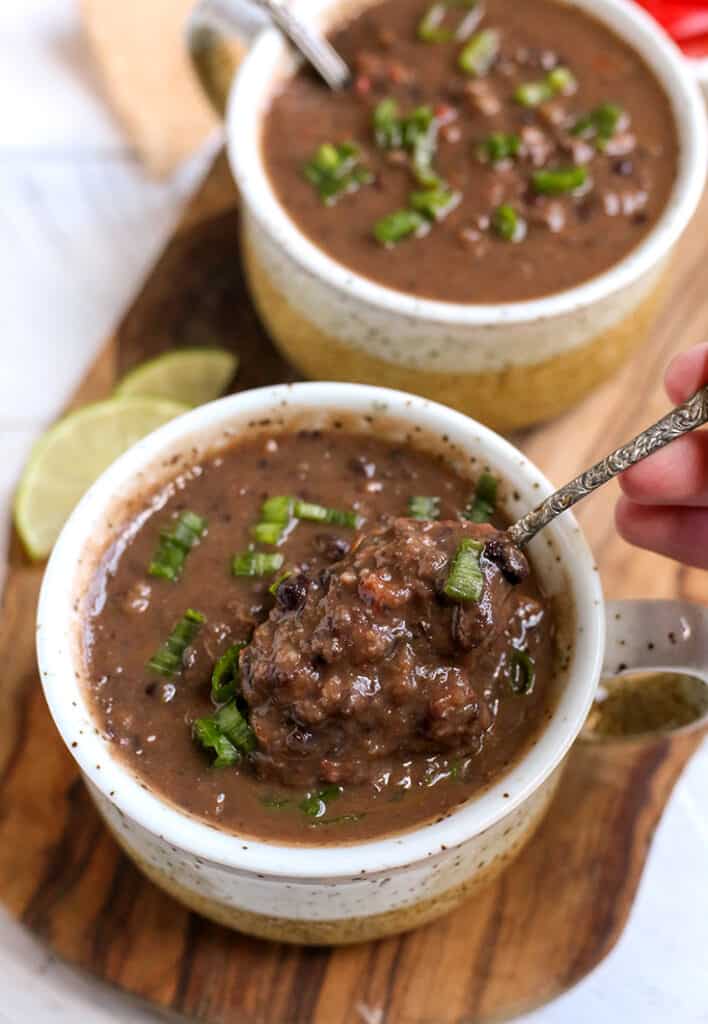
(318, 51)
(681, 420)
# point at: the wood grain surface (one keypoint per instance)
(540, 928)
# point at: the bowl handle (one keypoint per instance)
(663, 635)
(219, 33)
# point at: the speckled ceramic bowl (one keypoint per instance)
(507, 365)
(339, 893)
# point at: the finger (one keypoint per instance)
(676, 475)
(687, 372)
(678, 533)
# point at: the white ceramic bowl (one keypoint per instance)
(349, 892)
(506, 364)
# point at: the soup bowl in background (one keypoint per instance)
(341, 892)
(507, 365)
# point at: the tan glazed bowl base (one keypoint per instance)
(514, 397)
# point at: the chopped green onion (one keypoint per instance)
(336, 169)
(523, 672)
(167, 660)
(227, 733)
(432, 30)
(478, 55)
(508, 224)
(272, 589)
(267, 533)
(276, 513)
(559, 82)
(560, 181)
(465, 581)
(562, 81)
(209, 736)
(175, 544)
(234, 726)
(434, 203)
(388, 129)
(600, 124)
(319, 514)
(422, 507)
(256, 563)
(226, 675)
(394, 227)
(499, 146)
(416, 126)
(315, 804)
(484, 504)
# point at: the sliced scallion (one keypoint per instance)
(175, 544)
(320, 514)
(225, 676)
(560, 181)
(483, 505)
(423, 507)
(388, 129)
(508, 224)
(396, 226)
(432, 28)
(314, 804)
(206, 732)
(499, 146)
(168, 658)
(272, 589)
(226, 733)
(523, 672)
(478, 55)
(465, 581)
(234, 726)
(336, 169)
(276, 513)
(600, 124)
(558, 82)
(434, 203)
(256, 563)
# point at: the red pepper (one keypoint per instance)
(686, 21)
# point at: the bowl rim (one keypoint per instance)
(247, 100)
(59, 669)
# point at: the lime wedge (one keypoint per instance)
(189, 375)
(67, 459)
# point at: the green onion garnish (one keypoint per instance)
(267, 533)
(175, 545)
(416, 133)
(276, 513)
(560, 181)
(507, 223)
(256, 563)
(388, 128)
(600, 124)
(431, 28)
(396, 226)
(465, 581)
(523, 671)
(319, 514)
(423, 507)
(206, 732)
(558, 82)
(315, 804)
(167, 660)
(227, 733)
(499, 146)
(478, 55)
(484, 504)
(434, 203)
(335, 169)
(272, 589)
(225, 677)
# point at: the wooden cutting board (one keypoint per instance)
(541, 927)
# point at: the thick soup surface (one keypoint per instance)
(536, 166)
(376, 698)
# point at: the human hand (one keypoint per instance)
(664, 506)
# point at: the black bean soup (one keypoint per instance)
(319, 636)
(504, 150)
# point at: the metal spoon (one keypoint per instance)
(681, 420)
(313, 46)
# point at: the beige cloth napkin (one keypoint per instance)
(139, 48)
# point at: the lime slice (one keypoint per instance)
(67, 459)
(189, 375)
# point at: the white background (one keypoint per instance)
(80, 224)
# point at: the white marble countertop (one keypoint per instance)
(80, 224)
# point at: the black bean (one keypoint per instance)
(292, 593)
